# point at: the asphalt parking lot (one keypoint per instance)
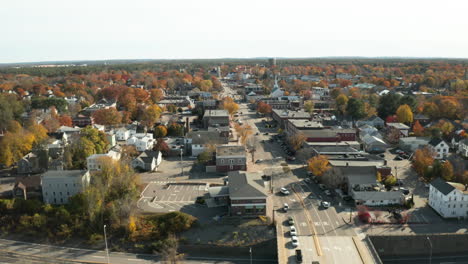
(168, 196)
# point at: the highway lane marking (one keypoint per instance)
(325, 223)
(132, 259)
(98, 256)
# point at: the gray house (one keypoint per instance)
(374, 121)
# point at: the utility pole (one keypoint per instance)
(105, 240)
(250, 250)
(396, 173)
(430, 254)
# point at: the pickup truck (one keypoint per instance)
(299, 256)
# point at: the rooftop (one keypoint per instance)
(216, 113)
(230, 150)
(64, 173)
(306, 124)
(291, 114)
(244, 184)
(398, 125)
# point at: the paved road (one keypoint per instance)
(23, 252)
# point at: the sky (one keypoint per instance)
(58, 30)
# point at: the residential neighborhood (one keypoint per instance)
(297, 162)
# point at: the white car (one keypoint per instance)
(327, 192)
(284, 191)
(285, 207)
(293, 231)
(322, 186)
(294, 241)
(325, 204)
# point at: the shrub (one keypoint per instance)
(95, 238)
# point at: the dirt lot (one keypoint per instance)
(230, 232)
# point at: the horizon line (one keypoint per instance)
(231, 58)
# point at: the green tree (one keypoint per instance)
(10, 109)
(409, 100)
(175, 130)
(356, 109)
(388, 105)
(390, 181)
(204, 157)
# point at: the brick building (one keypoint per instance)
(247, 194)
(230, 158)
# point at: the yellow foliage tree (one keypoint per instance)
(404, 114)
(423, 158)
(318, 165)
(230, 105)
(243, 132)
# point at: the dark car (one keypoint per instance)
(266, 134)
(298, 255)
(398, 158)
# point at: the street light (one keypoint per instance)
(105, 240)
(181, 164)
(250, 250)
(430, 255)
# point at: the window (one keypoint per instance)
(222, 161)
(66, 185)
(231, 161)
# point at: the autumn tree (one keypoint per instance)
(10, 109)
(404, 114)
(108, 117)
(229, 105)
(162, 146)
(447, 171)
(309, 106)
(418, 130)
(297, 140)
(65, 120)
(243, 132)
(151, 115)
(156, 95)
(264, 108)
(341, 103)
(422, 159)
(160, 131)
(318, 165)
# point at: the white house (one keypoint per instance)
(440, 147)
(122, 134)
(140, 142)
(94, 162)
(463, 147)
(59, 186)
(147, 161)
(449, 199)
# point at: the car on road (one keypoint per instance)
(284, 191)
(257, 134)
(292, 231)
(327, 192)
(315, 179)
(290, 158)
(311, 196)
(290, 220)
(322, 187)
(325, 204)
(294, 241)
(398, 158)
(307, 180)
(404, 191)
(266, 133)
(285, 207)
(258, 161)
(298, 256)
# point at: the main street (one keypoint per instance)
(323, 234)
